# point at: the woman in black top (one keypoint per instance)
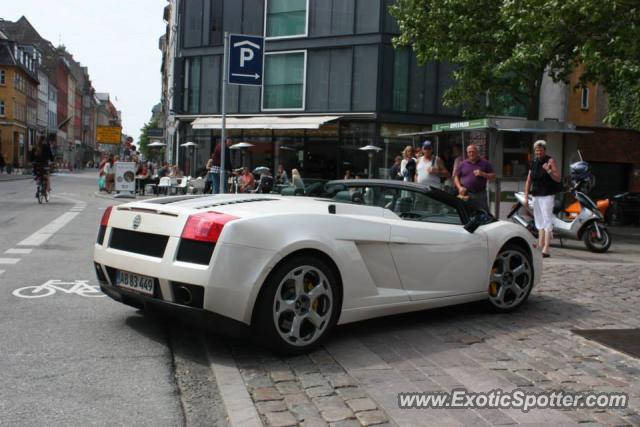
(545, 178)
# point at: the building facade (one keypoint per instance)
(64, 107)
(322, 58)
(18, 101)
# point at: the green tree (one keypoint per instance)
(144, 137)
(504, 48)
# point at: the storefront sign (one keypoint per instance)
(469, 124)
(109, 134)
(125, 176)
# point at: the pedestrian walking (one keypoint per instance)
(408, 164)
(208, 185)
(109, 172)
(1, 163)
(471, 178)
(430, 168)
(545, 178)
(216, 170)
(395, 169)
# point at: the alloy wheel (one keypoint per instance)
(303, 305)
(511, 279)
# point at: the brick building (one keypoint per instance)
(18, 100)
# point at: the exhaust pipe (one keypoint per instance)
(182, 295)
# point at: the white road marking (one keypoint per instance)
(9, 260)
(78, 287)
(42, 235)
(18, 251)
(1, 271)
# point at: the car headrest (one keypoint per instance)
(343, 196)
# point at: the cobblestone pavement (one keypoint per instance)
(355, 379)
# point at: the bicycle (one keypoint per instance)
(40, 173)
(80, 287)
(41, 189)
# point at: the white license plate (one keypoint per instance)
(135, 282)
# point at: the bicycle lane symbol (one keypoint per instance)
(78, 287)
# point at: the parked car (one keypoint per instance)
(624, 210)
(289, 269)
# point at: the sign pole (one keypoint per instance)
(223, 108)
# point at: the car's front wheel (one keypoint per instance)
(511, 278)
(298, 306)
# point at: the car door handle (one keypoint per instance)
(398, 239)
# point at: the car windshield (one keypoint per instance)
(408, 204)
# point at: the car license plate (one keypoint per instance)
(135, 282)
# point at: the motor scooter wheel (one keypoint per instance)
(592, 242)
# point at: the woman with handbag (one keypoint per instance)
(545, 177)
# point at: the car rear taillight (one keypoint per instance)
(103, 224)
(105, 216)
(206, 226)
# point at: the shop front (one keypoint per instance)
(507, 143)
(13, 145)
(320, 147)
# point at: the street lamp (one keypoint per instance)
(191, 146)
(242, 146)
(156, 144)
(371, 150)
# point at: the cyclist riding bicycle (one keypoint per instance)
(40, 157)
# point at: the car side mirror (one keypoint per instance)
(477, 219)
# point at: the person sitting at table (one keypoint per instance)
(143, 177)
(176, 172)
(247, 180)
(281, 175)
(296, 179)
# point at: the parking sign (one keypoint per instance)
(245, 59)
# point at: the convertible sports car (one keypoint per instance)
(289, 269)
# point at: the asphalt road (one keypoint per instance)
(72, 356)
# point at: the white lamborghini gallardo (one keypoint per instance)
(289, 269)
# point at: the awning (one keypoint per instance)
(263, 122)
(543, 130)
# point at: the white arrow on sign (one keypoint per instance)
(256, 76)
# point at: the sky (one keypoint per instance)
(116, 39)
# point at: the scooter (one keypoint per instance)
(574, 209)
(588, 225)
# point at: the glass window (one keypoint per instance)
(193, 23)
(584, 102)
(286, 18)
(400, 79)
(194, 85)
(416, 206)
(284, 81)
(2, 108)
(3, 77)
(407, 204)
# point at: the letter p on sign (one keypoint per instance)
(246, 54)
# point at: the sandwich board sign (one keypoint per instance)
(125, 176)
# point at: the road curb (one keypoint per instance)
(16, 178)
(239, 405)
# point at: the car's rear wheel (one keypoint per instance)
(298, 306)
(511, 278)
